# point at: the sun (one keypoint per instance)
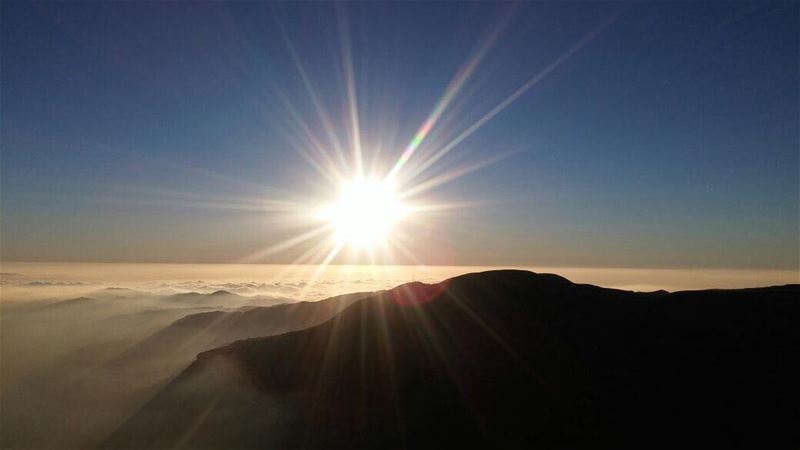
(365, 212)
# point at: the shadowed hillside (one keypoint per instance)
(504, 359)
(79, 367)
(173, 347)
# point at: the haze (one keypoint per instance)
(399, 225)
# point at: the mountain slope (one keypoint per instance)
(503, 359)
(79, 368)
(176, 345)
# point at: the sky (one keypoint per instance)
(583, 134)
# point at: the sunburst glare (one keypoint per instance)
(369, 206)
(370, 209)
(365, 212)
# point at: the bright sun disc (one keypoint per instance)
(365, 212)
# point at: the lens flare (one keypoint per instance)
(385, 210)
(365, 212)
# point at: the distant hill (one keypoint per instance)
(502, 359)
(70, 303)
(74, 370)
(175, 346)
(110, 300)
(219, 298)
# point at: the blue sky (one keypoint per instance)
(670, 139)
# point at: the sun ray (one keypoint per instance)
(589, 37)
(452, 175)
(337, 247)
(185, 200)
(369, 206)
(397, 245)
(332, 173)
(324, 118)
(350, 89)
(308, 256)
(285, 245)
(456, 84)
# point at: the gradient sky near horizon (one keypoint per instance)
(659, 135)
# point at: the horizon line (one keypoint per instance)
(507, 266)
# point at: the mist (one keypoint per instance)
(78, 357)
(84, 346)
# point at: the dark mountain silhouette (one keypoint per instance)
(175, 346)
(52, 305)
(113, 298)
(217, 298)
(220, 298)
(113, 292)
(80, 367)
(502, 359)
(72, 302)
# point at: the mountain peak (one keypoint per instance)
(222, 292)
(499, 359)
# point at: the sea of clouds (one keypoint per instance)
(37, 283)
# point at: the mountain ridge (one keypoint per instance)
(497, 359)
